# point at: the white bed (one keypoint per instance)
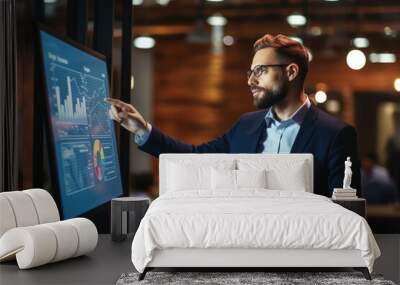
(247, 210)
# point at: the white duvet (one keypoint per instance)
(252, 218)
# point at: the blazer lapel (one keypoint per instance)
(306, 130)
(255, 133)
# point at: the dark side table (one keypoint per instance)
(357, 205)
(126, 214)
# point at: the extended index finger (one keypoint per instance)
(120, 104)
(112, 100)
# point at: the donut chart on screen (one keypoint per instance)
(98, 158)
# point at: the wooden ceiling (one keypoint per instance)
(338, 21)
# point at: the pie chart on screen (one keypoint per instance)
(98, 158)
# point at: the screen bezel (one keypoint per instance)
(47, 119)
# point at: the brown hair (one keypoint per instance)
(287, 49)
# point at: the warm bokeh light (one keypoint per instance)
(332, 106)
(228, 40)
(144, 42)
(361, 42)
(162, 2)
(388, 31)
(396, 84)
(315, 31)
(356, 59)
(320, 96)
(132, 82)
(385, 57)
(216, 20)
(296, 20)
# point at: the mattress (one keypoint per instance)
(251, 219)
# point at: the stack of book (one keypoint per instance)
(344, 194)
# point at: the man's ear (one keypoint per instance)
(292, 71)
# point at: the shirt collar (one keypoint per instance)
(297, 116)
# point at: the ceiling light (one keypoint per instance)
(389, 31)
(385, 57)
(215, 0)
(297, 39)
(50, 1)
(356, 59)
(144, 42)
(137, 2)
(228, 40)
(332, 106)
(361, 42)
(162, 2)
(316, 31)
(396, 84)
(216, 20)
(296, 20)
(331, 0)
(320, 96)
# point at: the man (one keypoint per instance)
(287, 122)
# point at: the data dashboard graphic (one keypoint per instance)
(82, 132)
(98, 159)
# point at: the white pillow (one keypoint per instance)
(251, 178)
(223, 179)
(186, 175)
(293, 180)
(282, 175)
(183, 178)
(237, 179)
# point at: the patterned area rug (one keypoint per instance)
(230, 278)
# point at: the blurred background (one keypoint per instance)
(189, 62)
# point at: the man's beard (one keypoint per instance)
(272, 97)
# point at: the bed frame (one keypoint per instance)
(250, 258)
(242, 259)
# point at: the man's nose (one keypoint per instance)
(252, 80)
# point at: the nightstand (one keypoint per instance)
(357, 205)
(126, 214)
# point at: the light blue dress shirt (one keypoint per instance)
(280, 135)
(142, 137)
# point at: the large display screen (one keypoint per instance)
(82, 133)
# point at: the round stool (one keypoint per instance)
(126, 214)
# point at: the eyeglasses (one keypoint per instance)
(260, 69)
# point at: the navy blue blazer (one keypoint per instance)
(327, 138)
